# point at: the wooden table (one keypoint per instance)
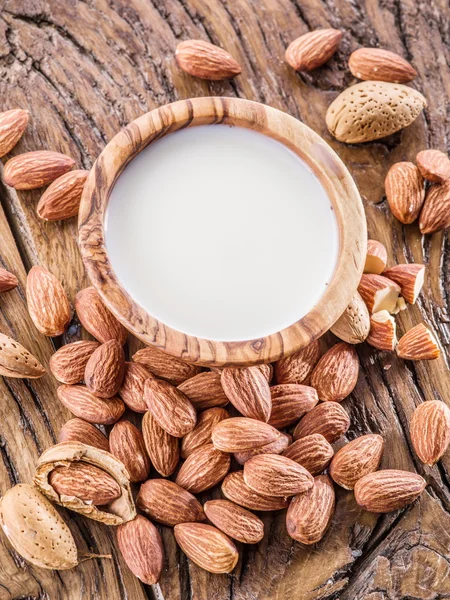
(84, 70)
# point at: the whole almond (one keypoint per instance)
(405, 191)
(353, 325)
(205, 60)
(201, 434)
(309, 514)
(204, 390)
(430, 431)
(376, 257)
(435, 214)
(16, 361)
(86, 482)
(237, 522)
(97, 319)
(290, 401)
(170, 407)
(8, 281)
(77, 430)
(267, 370)
(203, 469)
(276, 447)
(165, 366)
(163, 449)
(105, 370)
(275, 475)
(127, 444)
(298, 367)
(12, 125)
(141, 547)
(313, 49)
(84, 405)
(132, 388)
(376, 64)
(47, 302)
(35, 169)
(329, 419)
(248, 391)
(168, 503)
(235, 489)
(61, 200)
(388, 490)
(419, 343)
(241, 433)
(356, 459)
(313, 452)
(433, 165)
(69, 362)
(336, 373)
(410, 279)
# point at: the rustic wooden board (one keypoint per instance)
(84, 70)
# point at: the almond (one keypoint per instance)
(97, 319)
(354, 323)
(313, 452)
(165, 366)
(12, 125)
(35, 169)
(309, 514)
(409, 277)
(376, 257)
(418, 343)
(8, 281)
(204, 390)
(405, 191)
(241, 433)
(86, 482)
(201, 434)
(356, 459)
(275, 475)
(382, 331)
(329, 419)
(313, 49)
(77, 430)
(276, 447)
(168, 503)
(132, 388)
(84, 405)
(336, 373)
(248, 391)
(299, 366)
(237, 522)
(376, 64)
(435, 213)
(290, 401)
(399, 305)
(16, 361)
(141, 547)
(372, 110)
(69, 362)
(127, 444)
(205, 60)
(47, 302)
(235, 489)
(163, 449)
(207, 547)
(379, 293)
(430, 431)
(170, 407)
(433, 165)
(388, 490)
(105, 370)
(61, 200)
(203, 469)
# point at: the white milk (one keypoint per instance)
(221, 232)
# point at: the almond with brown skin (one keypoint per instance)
(168, 503)
(298, 367)
(105, 370)
(84, 405)
(377, 64)
(409, 277)
(379, 293)
(204, 390)
(141, 547)
(275, 475)
(329, 419)
(201, 434)
(203, 469)
(97, 319)
(86, 482)
(313, 49)
(309, 514)
(276, 447)
(405, 191)
(419, 343)
(430, 431)
(165, 366)
(8, 281)
(170, 407)
(356, 459)
(207, 547)
(313, 452)
(290, 401)
(241, 433)
(433, 165)
(16, 361)
(132, 388)
(69, 362)
(376, 257)
(12, 125)
(61, 200)
(435, 214)
(382, 331)
(248, 391)
(237, 522)
(163, 449)
(354, 324)
(388, 490)
(77, 430)
(235, 489)
(35, 169)
(336, 373)
(47, 302)
(206, 61)
(127, 444)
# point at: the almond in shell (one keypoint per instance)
(141, 547)
(12, 125)
(237, 522)
(203, 469)
(84, 405)
(275, 475)
(235, 489)
(336, 373)
(47, 302)
(388, 490)
(290, 401)
(105, 370)
(248, 391)
(16, 361)
(356, 459)
(328, 418)
(127, 444)
(313, 452)
(207, 547)
(206, 61)
(354, 324)
(162, 448)
(86, 482)
(69, 362)
(430, 431)
(33, 170)
(97, 319)
(168, 503)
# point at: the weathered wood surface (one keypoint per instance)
(84, 70)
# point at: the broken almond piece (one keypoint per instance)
(379, 292)
(376, 257)
(382, 331)
(409, 277)
(418, 343)
(399, 306)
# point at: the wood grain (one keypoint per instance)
(85, 70)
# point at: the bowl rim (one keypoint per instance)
(317, 154)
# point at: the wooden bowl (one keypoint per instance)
(326, 165)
